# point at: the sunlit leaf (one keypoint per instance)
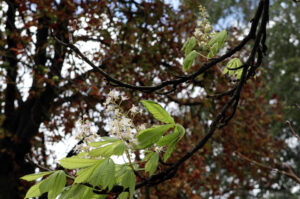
(149, 136)
(76, 162)
(189, 60)
(169, 151)
(158, 112)
(35, 176)
(152, 163)
(189, 45)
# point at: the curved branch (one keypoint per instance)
(251, 35)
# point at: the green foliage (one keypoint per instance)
(54, 185)
(232, 64)
(189, 60)
(36, 176)
(115, 148)
(216, 43)
(83, 175)
(76, 162)
(151, 135)
(152, 163)
(127, 179)
(189, 45)
(169, 151)
(103, 172)
(104, 140)
(78, 191)
(158, 112)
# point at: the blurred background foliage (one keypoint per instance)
(139, 42)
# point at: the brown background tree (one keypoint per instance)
(138, 43)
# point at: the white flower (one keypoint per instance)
(134, 109)
(124, 98)
(113, 94)
(117, 112)
(125, 121)
(110, 108)
(141, 127)
(157, 148)
(207, 28)
(107, 101)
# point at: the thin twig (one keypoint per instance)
(292, 130)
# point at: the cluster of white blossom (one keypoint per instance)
(122, 125)
(85, 135)
(204, 29)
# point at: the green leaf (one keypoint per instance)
(115, 148)
(35, 191)
(57, 182)
(104, 174)
(147, 156)
(78, 191)
(169, 151)
(76, 162)
(149, 136)
(239, 73)
(181, 131)
(165, 140)
(54, 185)
(85, 174)
(35, 176)
(158, 112)
(213, 51)
(216, 43)
(105, 140)
(151, 165)
(123, 195)
(189, 60)
(232, 64)
(189, 45)
(219, 38)
(128, 180)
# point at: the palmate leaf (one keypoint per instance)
(147, 156)
(105, 140)
(35, 176)
(165, 140)
(104, 174)
(234, 63)
(83, 175)
(100, 174)
(57, 182)
(127, 180)
(181, 131)
(115, 148)
(78, 191)
(178, 133)
(149, 136)
(219, 38)
(158, 112)
(171, 145)
(169, 151)
(35, 191)
(189, 60)
(54, 185)
(216, 43)
(76, 162)
(152, 163)
(189, 45)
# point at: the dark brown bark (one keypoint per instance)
(22, 123)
